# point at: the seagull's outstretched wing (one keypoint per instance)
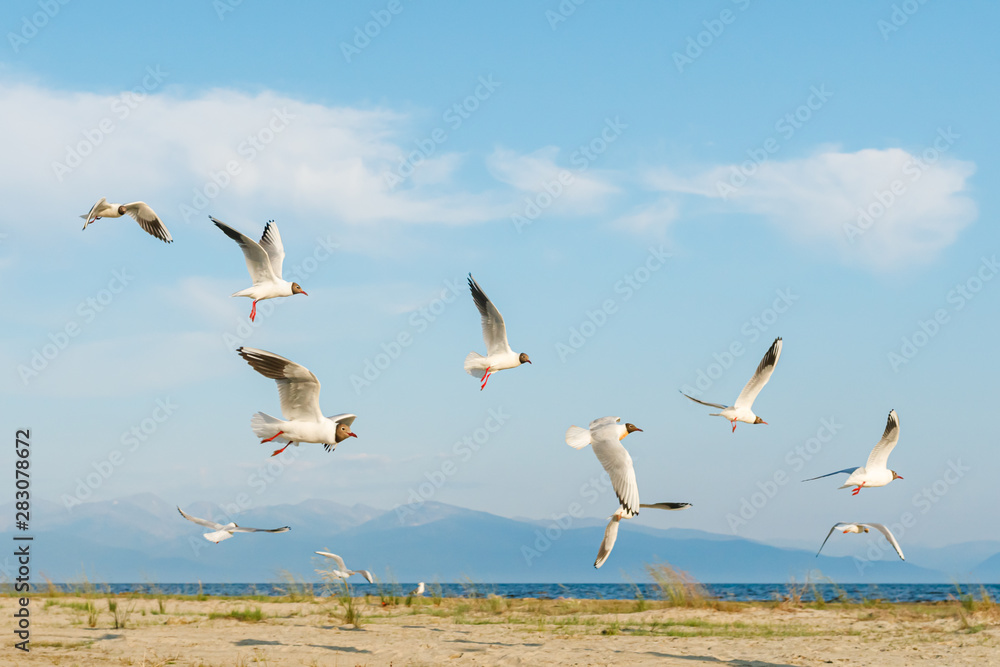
(298, 388)
(241, 529)
(270, 241)
(879, 457)
(608, 543)
(711, 405)
(367, 575)
(142, 213)
(760, 377)
(837, 525)
(201, 522)
(665, 506)
(836, 472)
(92, 214)
(494, 329)
(257, 258)
(336, 558)
(889, 536)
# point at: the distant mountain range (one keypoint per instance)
(143, 539)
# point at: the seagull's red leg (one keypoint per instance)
(857, 490)
(271, 438)
(734, 426)
(278, 451)
(485, 379)
(253, 311)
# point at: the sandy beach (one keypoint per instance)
(497, 631)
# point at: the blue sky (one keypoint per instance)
(730, 144)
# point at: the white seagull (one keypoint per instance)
(140, 212)
(605, 434)
(874, 472)
(864, 528)
(419, 590)
(298, 390)
(224, 532)
(740, 411)
(342, 572)
(499, 356)
(264, 264)
(611, 532)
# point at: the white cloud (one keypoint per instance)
(539, 172)
(847, 200)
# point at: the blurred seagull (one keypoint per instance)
(499, 356)
(298, 390)
(138, 210)
(264, 264)
(740, 411)
(606, 434)
(224, 532)
(864, 528)
(342, 572)
(874, 472)
(419, 590)
(611, 532)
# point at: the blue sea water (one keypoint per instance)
(736, 592)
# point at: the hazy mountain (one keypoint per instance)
(144, 539)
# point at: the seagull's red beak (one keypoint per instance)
(304, 292)
(763, 422)
(353, 434)
(529, 361)
(639, 430)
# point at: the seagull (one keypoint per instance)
(864, 528)
(605, 434)
(139, 210)
(224, 532)
(264, 264)
(611, 532)
(874, 472)
(419, 590)
(740, 411)
(342, 572)
(298, 389)
(499, 356)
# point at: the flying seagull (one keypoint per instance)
(874, 472)
(342, 572)
(264, 264)
(864, 528)
(499, 356)
(298, 390)
(740, 411)
(606, 434)
(138, 210)
(224, 532)
(611, 532)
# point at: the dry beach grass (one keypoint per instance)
(92, 628)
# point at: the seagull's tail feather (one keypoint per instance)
(473, 365)
(244, 292)
(577, 437)
(265, 426)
